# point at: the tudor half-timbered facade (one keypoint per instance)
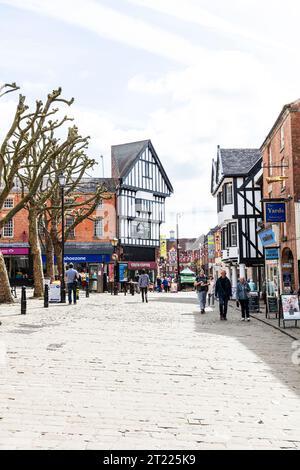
(236, 185)
(141, 196)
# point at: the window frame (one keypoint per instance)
(231, 225)
(10, 222)
(99, 219)
(226, 200)
(72, 235)
(8, 206)
(282, 137)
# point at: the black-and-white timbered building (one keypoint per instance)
(236, 185)
(143, 188)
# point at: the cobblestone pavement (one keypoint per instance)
(113, 373)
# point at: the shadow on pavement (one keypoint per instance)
(271, 346)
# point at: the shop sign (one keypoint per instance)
(287, 265)
(290, 307)
(54, 293)
(272, 304)
(275, 212)
(134, 265)
(14, 251)
(123, 272)
(163, 246)
(267, 237)
(271, 253)
(83, 258)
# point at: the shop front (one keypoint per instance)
(18, 264)
(135, 268)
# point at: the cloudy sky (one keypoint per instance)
(188, 74)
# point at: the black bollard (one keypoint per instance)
(46, 296)
(125, 288)
(23, 301)
(87, 290)
(132, 288)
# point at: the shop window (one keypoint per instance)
(8, 203)
(8, 229)
(98, 228)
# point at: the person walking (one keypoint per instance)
(211, 291)
(143, 285)
(223, 292)
(72, 280)
(158, 284)
(165, 284)
(201, 285)
(242, 291)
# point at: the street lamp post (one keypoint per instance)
(114, 244)
(62, 183)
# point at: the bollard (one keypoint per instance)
(46, 296)
(125, 288)
(132, 288)
(87, 290)
(23, 301)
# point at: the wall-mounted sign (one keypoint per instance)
(142, 265)
(275, 212)
(267, 237)
(14, 251)
(271, 253)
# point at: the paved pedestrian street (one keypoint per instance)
(113, 373)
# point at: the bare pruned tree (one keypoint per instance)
(25, 155)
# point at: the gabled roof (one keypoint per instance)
(90, 184)
(124, 157)
(232, 162)
(238, 161)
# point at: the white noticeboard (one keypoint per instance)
(54, 293)
(290, 307)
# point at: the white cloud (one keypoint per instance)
(116, 26)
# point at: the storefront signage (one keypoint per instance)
(14, 251)
(123, 272)
(290, 307)
(253, 302)
(271, 253)
(272, 305)
(142, 265)
(54, 293)
(267, 237)
(163, 246)
(83, 258)
(275, 211)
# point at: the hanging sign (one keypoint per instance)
(267, 237)
(275, 212)
(271, 253)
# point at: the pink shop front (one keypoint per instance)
(18, 263)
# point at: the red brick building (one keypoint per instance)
(281, 158)
(89, 245)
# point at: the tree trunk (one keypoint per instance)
(38, 275)
(5, 292)
(49, 257)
